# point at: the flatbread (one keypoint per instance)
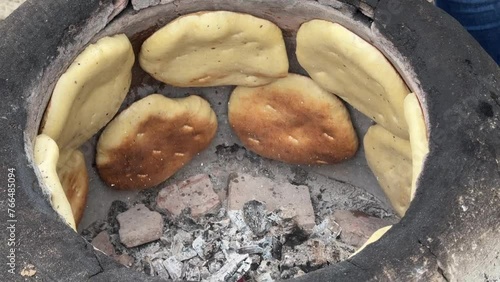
(216, 48)
(389, 158)
(152, 139)
(343, 63)
(46, 155)
(75, 182)
(418, 137)
(89, 93)
(293, 120)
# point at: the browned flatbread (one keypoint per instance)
(75, 182)
(293, 120)
(152, 139)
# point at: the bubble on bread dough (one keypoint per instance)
(254, 140)
(293, 139)
(271, 108)
(187, 128)
(328, 136)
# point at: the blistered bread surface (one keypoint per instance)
(152, 139)
(293, 120)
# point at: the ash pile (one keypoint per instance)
(256, 229)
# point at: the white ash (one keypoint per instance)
(252, 244)
(227, 249)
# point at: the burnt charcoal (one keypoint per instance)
(276, 250)
(116, 208)
(252, 157)
(300, 176)
(95, 228)
(256, 259)
(291, 273)
(250, 250)
(147, 197)
(225, 150)
(148, 268)
(268, 271)
(186, 222)
(296, 237)
(115, 240)
(206, 249)
(266, 172)
(255, 216)
(309, 266)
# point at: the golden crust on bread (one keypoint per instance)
(293, 120)
(75, 182)
(152, 139)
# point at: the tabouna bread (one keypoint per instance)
(343, 63)
(46, 154)
(216, 48)
(293, 120)
(152, 139)
(389, 158)
(418, 137)
(75, 182)
(89, 93)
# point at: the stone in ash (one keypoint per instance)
(195, 193)
(357, 226)
(139, 225)
(293, 201)
(102, 243)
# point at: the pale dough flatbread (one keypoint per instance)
(46, 154)
(418, 137)
(152, 139)
(293, 120)
(89, 93)
(216, 48)
(348, 66)
(75, 182)
(389, 158)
